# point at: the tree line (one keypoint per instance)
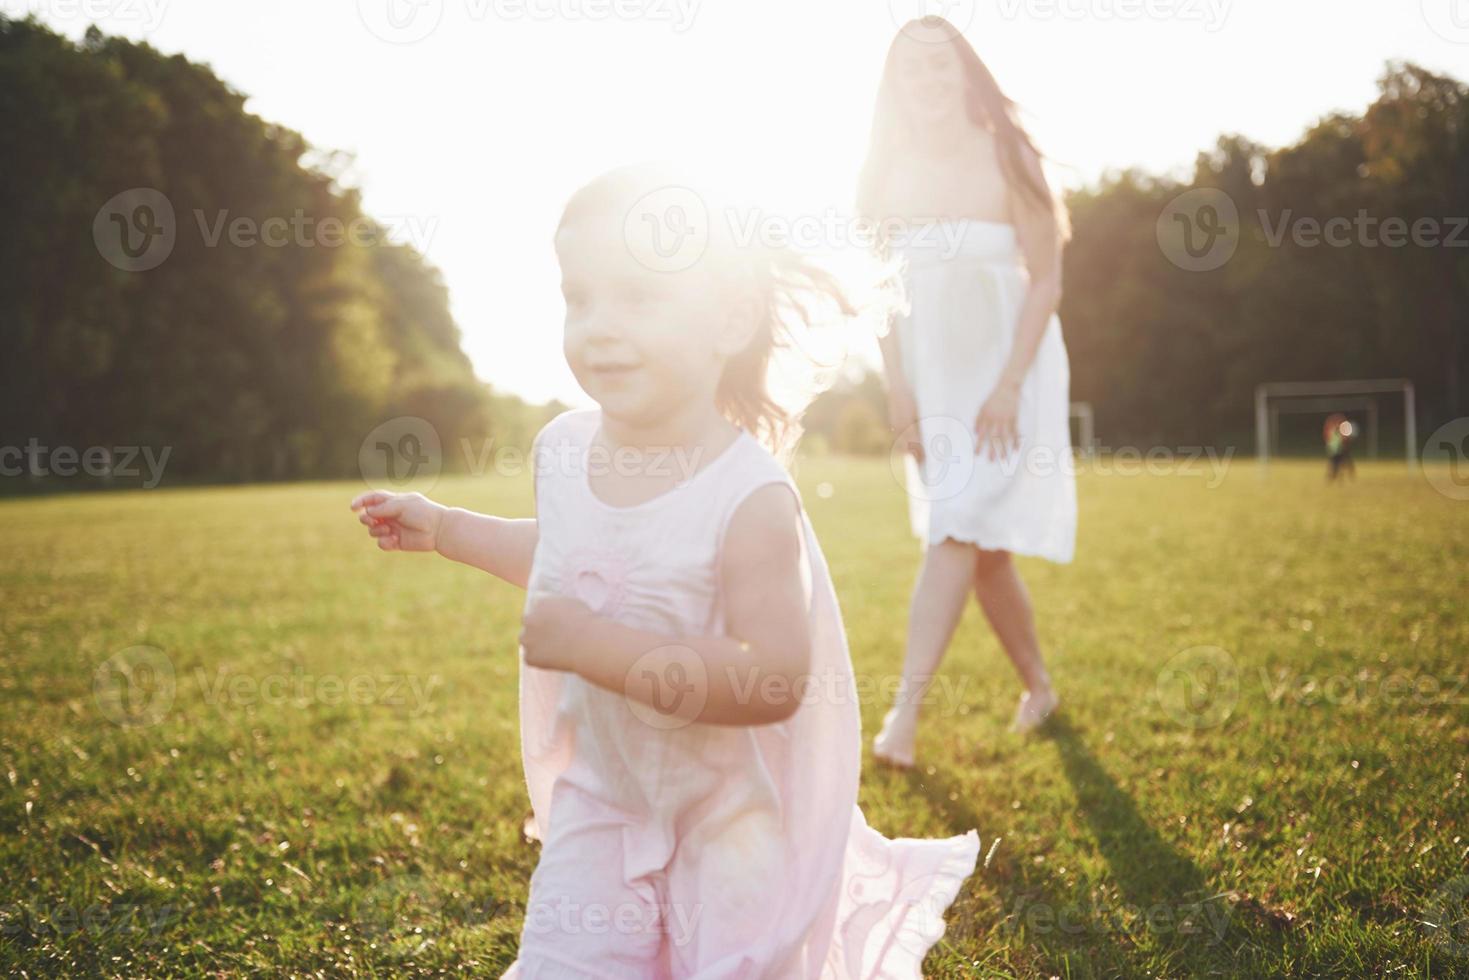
(125, 324)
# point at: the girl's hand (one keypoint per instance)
(996, 431)
(903, 418)
(400, 521)
(550, 630)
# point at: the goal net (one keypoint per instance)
(1279, 398)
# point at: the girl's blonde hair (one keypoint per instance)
(792, 298)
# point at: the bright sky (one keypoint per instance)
(475, 121)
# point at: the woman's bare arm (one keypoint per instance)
(1040, 246)
(997, 430)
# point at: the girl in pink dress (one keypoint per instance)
(689, 716)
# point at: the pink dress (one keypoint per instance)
(683, 850)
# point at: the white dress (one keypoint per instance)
(966, 283)
(676, 851)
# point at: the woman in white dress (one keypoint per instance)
(976, 369)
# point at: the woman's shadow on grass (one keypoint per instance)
(1154, 896)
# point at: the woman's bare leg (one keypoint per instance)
(1006, 604)
(938, 601)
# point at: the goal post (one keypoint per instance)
(1086, 429)
(1277, 397)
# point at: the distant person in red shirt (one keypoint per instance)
(1338, 433)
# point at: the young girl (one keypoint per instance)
(689, 720)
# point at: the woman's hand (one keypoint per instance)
(903, 418)
(550, 631)
(996, 431)
(400, 521)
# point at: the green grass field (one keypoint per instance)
(329, 781)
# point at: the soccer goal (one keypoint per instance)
(1086, 428)
(1296, 397)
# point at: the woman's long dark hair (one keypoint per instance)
(985, 104)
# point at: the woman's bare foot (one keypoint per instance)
(1034, 710)
(894, 744)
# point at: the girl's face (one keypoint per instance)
(929, 78)
(642, 342)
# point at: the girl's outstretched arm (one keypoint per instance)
(755, 675)
(411, 522)
(502, 546)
